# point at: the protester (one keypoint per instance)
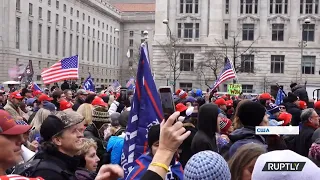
(13, 105)
(207, 126)
(300, 91)
(302, 105)
(317, 107)
(64, 104)
(310, 122)
(57, 97)
(89, 159)
(221, 103)
(293, 108)
(36, 123)
(251, 114)
(80, 99)
(314, 152)
(265, 99)
(171, 136)
(225, 126)
(142, 163)
(207, 165)
(310, 171)
(62, 140)
(85, 110)
(68, 95)
(11, 139)
(242, 162)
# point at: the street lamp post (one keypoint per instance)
(303, 44)
(166, 22)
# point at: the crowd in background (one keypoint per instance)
(74, 133)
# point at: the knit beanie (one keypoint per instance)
(273, 108)
(292, 85)
(251, 113)
(225, 124)
(310, 171)
(207, 165)
(123, 119)
(291, 97)
(153, 134)
(115, 119)
(100, 114)
(314, 151)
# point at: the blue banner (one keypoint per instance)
(146, 111)
(88, 84)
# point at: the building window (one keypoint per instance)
(110, 55)
(131, 53)
(49, 2)
(308, 32)
(131, 42)
(102, 53)
(49, 16)
(277, 32)
(186, 62)
(94, 33)
(48, 39)
(107, 38)
(30, 9)
(102, 34)
(64, 44)
(189, 31)
(82, 48)
(94, 21)
(103, 25)
(278, 6)
(83, 16)
(114, 56)
(186, 86)
(57, 4)
(78, 13)
(131, 33)
(309, 6)
(18, 33)
(30, 36)
(89, 19)
(57, 19)
(247, 63)
(77, 26)
(227, 7)
(71, 11)
(277, 64)
(57, 42)
(70, 44)
(39, 37)
(18, 5)
(247, 88)
(88, 50)
(110, 39)
(99, 23)
(71, 25)
(40, 12)
(249, 6)
(64, 21)
(248, 32)
(189, 6)
(226, 31)
(308, 64)
(98, 53)
(64, 8)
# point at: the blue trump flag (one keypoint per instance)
(146, 111)
(88, 84)
(280, 96)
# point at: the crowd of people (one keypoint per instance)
(78, 134)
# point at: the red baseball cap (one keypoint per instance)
(265, 96)
(302, 104)
(317, 105)
(229, 103)
(36, 93)
(65, 105)
(8, 125)
(16, 95)
(220, 102)
(44, 97)
(181, 107)
(98, 101)
(286, 117)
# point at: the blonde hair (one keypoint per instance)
(38, 119)
(86, 145)
(86, 111)
(111, 99)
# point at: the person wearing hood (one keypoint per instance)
(208, 125)
(251, 114)
(142, 163)
(300, 91)
(293, 108)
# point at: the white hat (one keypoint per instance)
(189, 111)
(310, 171)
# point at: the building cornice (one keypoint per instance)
(104, 7)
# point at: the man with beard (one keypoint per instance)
(13, 105)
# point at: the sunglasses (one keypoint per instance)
(282, 107)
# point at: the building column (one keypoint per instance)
(293, 26)
(216, 18)
(263, 19)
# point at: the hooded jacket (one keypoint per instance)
(141, 166)
(243, 136)
(205, 138)
(295, 112)
(301, 92)
(14, 111)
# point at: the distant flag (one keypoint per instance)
(116, 86)
(67, 68)
(130, 83)
(88, 84)
(35, 87)
(128, 53)
(280, 96)
(27, 73)
(226, 74)
(146, 110)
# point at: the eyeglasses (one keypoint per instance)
(282, 107)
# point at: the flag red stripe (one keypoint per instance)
(229, 74)
(55, 66)
(62, 75)
(60, 79)
(59, 73)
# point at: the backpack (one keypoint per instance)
(29, 168)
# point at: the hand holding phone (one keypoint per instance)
(167, 103)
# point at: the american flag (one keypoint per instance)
(64, 69)
(227, 73)
(130, 82)
(117, 86)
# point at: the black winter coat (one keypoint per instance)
(185, 151)
(303, 141)
(301, 92)
(295, 112)
(65, 162)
